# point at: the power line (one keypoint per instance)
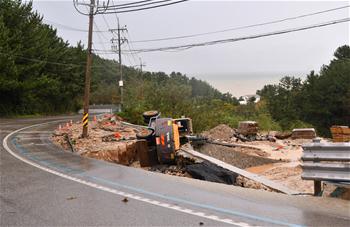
(130, 47)
(130, 3)
(66, 27)
(103, 16)
(242, 27)
(116, 10)
(206, 33)
(215, 42)
(45, 61)
(185, 47)
(41, 61)
(116, 7)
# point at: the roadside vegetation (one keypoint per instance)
(40, 73)
(321, 100)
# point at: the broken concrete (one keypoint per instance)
(303, 133)
(210, 172)
(248, 128)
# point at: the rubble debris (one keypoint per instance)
(108, 140)
(336, 191)
(116, 137)
(256, 137)
(340, 133)
(283, 135)
(303, 133)
(211, 172)
(248, 128)
(245, 134)
(174, 170)
(220, 132)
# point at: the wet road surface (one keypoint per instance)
(92, 192)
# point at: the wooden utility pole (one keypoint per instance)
(85, 119)
(119, 47)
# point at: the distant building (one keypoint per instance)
(244, 100)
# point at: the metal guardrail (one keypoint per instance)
(326, 162)
(326, 171)
(98, 109)
(326, 152)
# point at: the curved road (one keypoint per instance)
(44, 185)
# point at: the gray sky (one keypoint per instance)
(240, 67)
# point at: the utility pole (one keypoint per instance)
(141, 65)
(142, 79)
(88, 72)
(120, 42)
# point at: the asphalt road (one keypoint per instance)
(70, 190)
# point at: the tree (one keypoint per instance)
(342, 52)
(321, 100)
(39, 73)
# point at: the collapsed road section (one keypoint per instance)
(225, 155)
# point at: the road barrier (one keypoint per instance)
(326, 162)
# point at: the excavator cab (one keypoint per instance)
(167, 133)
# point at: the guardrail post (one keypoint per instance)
(317, 188)
(317, 183)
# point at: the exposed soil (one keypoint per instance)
(278, 160)
(220, 132)
(108, 140)
(289, 177)
(240, 157)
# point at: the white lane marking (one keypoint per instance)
(38, 131)
(111, 190)
(29, 138)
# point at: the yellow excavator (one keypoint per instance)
(165, 135)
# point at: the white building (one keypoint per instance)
(243, 100)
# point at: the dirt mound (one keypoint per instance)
(220, 132)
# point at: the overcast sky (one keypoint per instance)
(239, 67)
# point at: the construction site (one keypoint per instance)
(244, 157)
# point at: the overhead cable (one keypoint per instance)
(116, 10)
(215, 42)
(243, 27)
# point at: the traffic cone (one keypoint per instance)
(95, 118)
